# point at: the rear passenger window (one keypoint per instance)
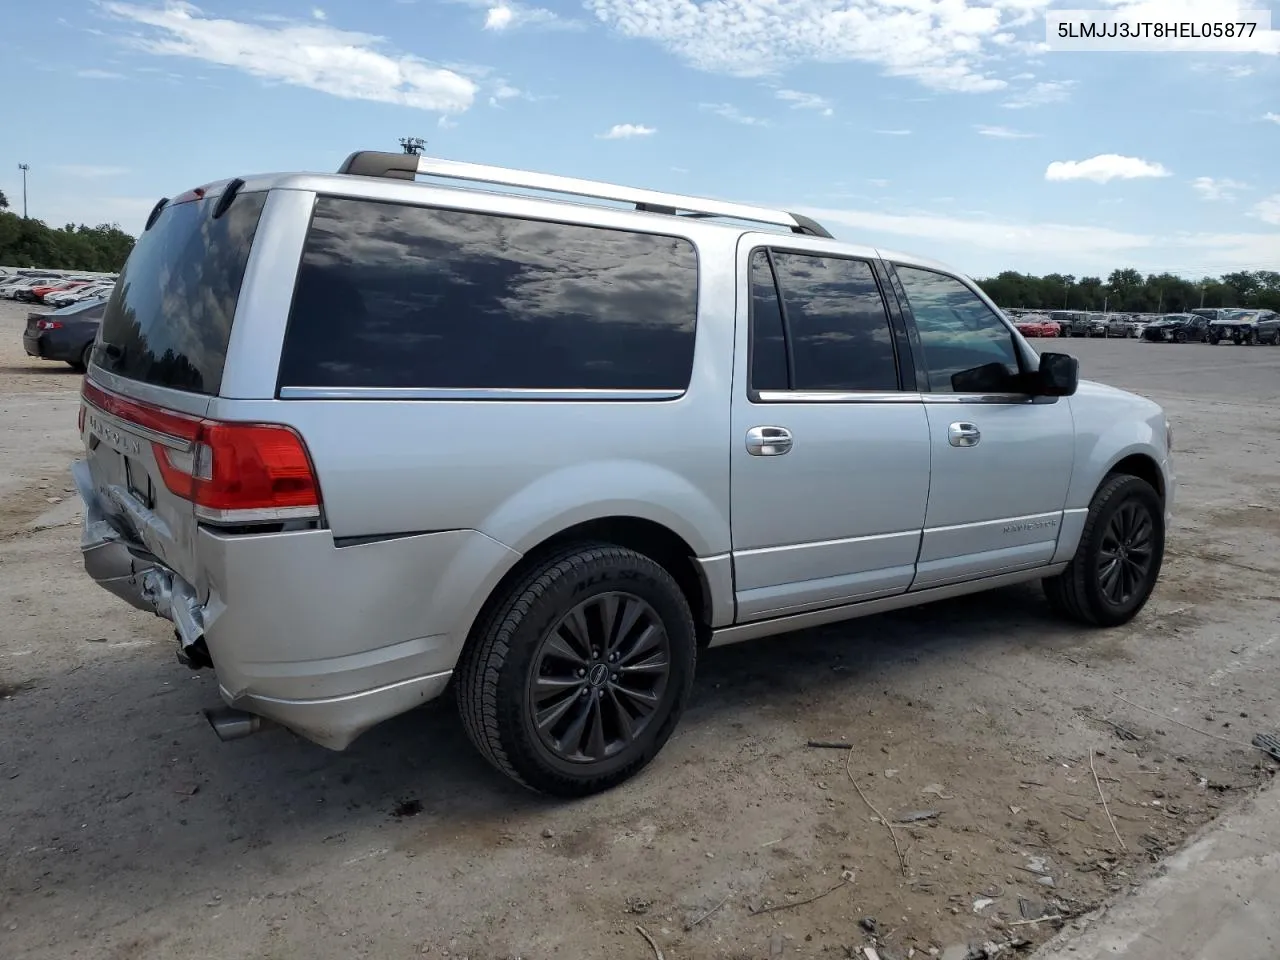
(836, 324)
(401, 296)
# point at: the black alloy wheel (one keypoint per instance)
(1125, 555)
(578, 671)
(1118, 559)
(598, 677)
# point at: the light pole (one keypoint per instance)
(24, 167)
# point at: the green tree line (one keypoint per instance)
(32, 243)
(1128, 291)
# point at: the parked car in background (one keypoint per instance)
(1246, 326)
(1211, 313)
(1177, 328)
(90, 291)
(1097, 325)
(1072, 323)
(1118, 325)
(12, 291)
(37, 293)
(1036, 325)
(65, 334)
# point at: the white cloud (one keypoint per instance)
(987, 245)
(626, 131)
(942, 44)
(1104, 168)
(894, 133)
(879, 183)
(507, 15)
(806, 101)
(498, 18)
(1041, 94)
(92, 73)
(318, 13)
(505, 91)
(1268, 210)
(1002, 133)
(1273, 117)
(1211, 189)
(90, 172)
(341, 63)
(729, 112)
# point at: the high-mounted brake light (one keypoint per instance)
(233, 472)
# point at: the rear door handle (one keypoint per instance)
(963, 434)
(768, 441)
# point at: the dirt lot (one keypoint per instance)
(130, 832)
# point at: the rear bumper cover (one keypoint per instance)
(325, 640)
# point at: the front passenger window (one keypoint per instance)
(967, 348)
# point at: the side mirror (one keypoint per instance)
(1059, 375)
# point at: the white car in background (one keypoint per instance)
(79, 294)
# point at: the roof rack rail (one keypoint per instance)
(405, 166)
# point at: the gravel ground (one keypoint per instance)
(130, 831)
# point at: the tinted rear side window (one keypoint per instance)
(169, 317)
(836, 319)
(401, 296)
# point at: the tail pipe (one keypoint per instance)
(231, 724)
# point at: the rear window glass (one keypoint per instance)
(402, 296)
(169, 317)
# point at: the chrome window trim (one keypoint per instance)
(465, 393)
(837, 396)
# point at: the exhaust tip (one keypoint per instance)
(231, 724)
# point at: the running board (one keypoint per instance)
(867, 608)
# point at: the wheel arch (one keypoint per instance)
(645, 536)
(1141, 465)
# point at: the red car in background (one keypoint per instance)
(1033, 325)
(37, 294)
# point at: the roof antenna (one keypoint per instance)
(412, 145)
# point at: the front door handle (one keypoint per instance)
(963, 434)
(768, 441)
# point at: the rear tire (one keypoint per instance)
(560, 699)
(1117, 562)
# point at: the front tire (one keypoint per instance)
(579, 673)
(1118, 559)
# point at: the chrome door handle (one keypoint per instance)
(768, 441)
(963, 435)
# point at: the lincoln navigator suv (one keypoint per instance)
(426, 426)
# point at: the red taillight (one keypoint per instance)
(48, 324)
(232, 472)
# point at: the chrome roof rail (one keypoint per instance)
(404, 166)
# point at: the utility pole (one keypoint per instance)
(1202, 296)
(412, 145)
(24, 167)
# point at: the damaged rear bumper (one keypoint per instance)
(325, 640)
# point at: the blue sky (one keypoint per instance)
(942, 127)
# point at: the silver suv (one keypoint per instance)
(364, 440)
